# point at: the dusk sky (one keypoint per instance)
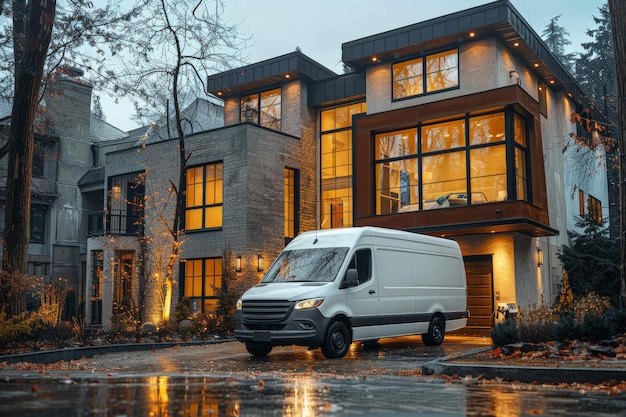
(318, 28)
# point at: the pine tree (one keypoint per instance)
(592, 261)
(556, 38)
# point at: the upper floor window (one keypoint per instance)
(204, 197)
(595, 210)
(451, 163)
(125, 202)
(291, 205)
(37, 223)
(427, 74)
(336, 164)
(263, 109)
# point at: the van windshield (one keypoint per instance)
(307, 265)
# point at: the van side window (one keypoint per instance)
(362, 262)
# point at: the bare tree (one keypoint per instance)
(618, 23)
(177, 45)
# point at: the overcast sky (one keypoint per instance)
(318, 28)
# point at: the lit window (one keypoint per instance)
(291, 203)
(453, 163)
(336, 165)
(204, 197)
(432, 73)
(595, 210)
(262, 108)
(203, 283)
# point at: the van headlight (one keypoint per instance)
(310, 303)
(239, 304)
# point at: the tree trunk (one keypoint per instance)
(29, 71)
(618, 23)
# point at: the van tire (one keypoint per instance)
(436, 331)
(337, 341)
(258, 349)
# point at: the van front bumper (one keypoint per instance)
(301, 327)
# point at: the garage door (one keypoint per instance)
(479, 271)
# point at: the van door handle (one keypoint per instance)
(372, 292)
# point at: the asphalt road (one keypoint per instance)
(222, 379)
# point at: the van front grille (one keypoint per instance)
(265, 310)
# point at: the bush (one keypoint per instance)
(536, 324)
(596, 328)
(617, 317)
(15, 329)
(567, 329)
(505, 333)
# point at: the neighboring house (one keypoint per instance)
(62, 155)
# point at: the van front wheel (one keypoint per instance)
(258, 349)
(337, 340)
(436, 330)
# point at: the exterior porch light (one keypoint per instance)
(260, 265)
(238, 263)
(539, 257)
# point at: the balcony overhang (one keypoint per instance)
(497, 217)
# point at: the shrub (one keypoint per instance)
(596, 328)
(617, 317)
(505, 333)
(536, 324)
(13, 330)
(567, 329)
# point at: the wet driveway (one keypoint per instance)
(224, 380)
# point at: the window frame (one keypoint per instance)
(463, 147)
(425, 87)
(255, 114)
(209, 288)
(204, 207)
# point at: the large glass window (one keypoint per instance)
(428, 74)
(336, 165)
(291, 203)
(452, 163)
(203, 283)
(262, 108)
(37, 223)
(204, 197)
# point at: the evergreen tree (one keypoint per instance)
(595, 68)
(556, 38)
(592, 261)
(595, 71)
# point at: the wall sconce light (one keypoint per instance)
(237, 263)
(539, 257)
(260, 265)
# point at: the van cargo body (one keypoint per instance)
(331, 287)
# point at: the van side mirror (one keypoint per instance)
(351, 279)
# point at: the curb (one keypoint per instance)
(70, 354)
(442, 366)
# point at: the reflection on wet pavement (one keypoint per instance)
(166, 396)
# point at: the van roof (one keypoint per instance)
(349, 236)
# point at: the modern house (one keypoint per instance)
(458, 126)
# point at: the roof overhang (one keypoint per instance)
(497, 19)
(266, 74)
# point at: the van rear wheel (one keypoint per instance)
(436, 331)
(337, 340)
(258, 349)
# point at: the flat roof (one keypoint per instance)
(498, 18)
(265, 74)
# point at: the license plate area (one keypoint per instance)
(261, 336)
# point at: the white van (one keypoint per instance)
(331, 287)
